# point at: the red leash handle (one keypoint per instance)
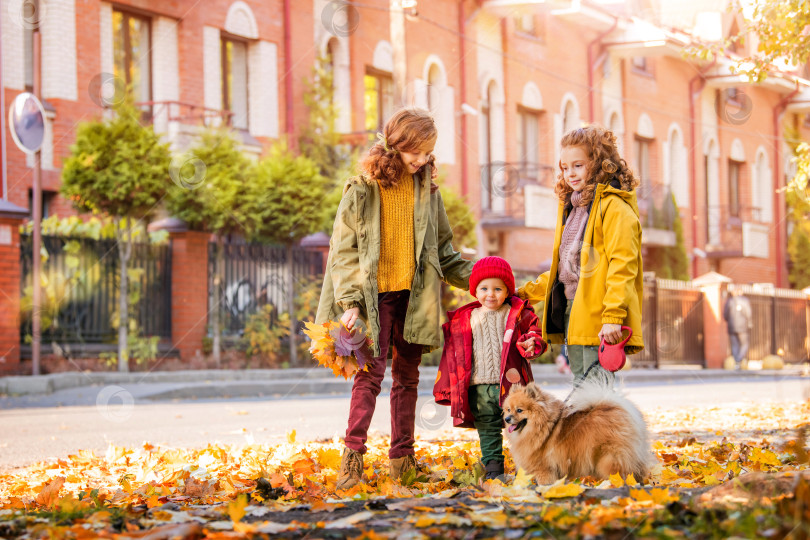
(612, 357)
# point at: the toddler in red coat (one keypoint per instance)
(486, 346)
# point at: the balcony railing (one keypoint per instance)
(502, 184)
(184, 113)
(655, 205)
(725, 230)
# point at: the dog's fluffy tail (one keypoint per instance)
(591, 394)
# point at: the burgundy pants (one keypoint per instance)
(405, 372)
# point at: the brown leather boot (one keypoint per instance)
(400, 466)
(351, 469)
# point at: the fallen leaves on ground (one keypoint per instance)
(726, 471)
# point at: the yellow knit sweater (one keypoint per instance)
(397, 261)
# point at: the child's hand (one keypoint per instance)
(611, 333)
(527, 345)
(434, 172)
(349, 316)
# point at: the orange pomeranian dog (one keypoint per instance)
(597, 434)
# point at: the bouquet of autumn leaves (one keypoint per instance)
(342, 350)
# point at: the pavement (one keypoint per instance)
(103, 388)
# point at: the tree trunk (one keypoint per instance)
(216, 348)
(124, 253)
(291, 306)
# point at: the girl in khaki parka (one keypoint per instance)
(390, 249)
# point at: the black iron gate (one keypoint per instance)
(672, 324)
(80, 281)
(256, 275)
(779, 323)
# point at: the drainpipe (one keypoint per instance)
(288, 77)
(777, 219)
(3, 167)
(692, 162)
(462, 23)
(591, 67)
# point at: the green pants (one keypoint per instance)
(488, 420)
(580, 357)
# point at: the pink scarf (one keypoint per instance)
(571, 245)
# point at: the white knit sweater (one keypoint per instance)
(488, 329)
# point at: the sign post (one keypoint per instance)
(26, 120)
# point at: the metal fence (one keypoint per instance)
(673, 324)
(255, 275)
(779, 323)
(80, 289)
(672, 316)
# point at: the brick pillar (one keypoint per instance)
(317, 242)
(715, 333)
(11, 216)
(189, 286)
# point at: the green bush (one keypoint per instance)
(262, 337)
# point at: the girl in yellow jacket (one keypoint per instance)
(595, 285)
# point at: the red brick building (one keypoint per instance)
(504, 80)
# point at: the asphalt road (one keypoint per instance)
(32, 434)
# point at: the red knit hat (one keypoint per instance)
(492, 267)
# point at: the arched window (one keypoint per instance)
(761, 189)
(711, 175)
(486, 145)
(676, 179)
(434, 84)
(492, 147)
(570, 117)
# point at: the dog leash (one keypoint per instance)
(562, 409)
(609, 360)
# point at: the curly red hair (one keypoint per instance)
(606, 165)
(409, 130)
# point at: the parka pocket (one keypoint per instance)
(433, 258)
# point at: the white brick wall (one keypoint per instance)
(342, 75)
(263, 86)
(165, 68)
(59, 77)
(106, 36)
(13, 74)
(212, 67)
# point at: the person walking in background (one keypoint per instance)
(738, 316)
(391, 247)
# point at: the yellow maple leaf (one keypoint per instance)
(631, 480)
(329, 458)
(765, 457)
(710, 480)
(659, 496)
(616, 480)
(236, 508)
(522, 479)
(291, 436)
(560, 490)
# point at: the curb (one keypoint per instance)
(47, 384)
(317, 380)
